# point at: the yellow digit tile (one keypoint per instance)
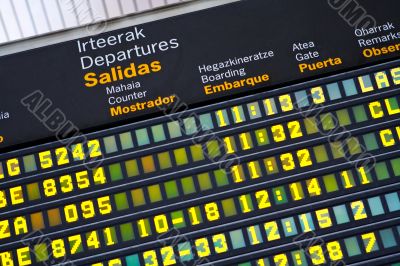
(45, 159)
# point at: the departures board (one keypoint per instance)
(257, 133)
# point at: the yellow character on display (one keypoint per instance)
(58, 248)
(396, 75)
(3, 199)
(49, 187)
(369, 242)
(161, 223)
(334, 250)
(221, 118)
(295, 129)
(236, 115)
(45, 159)
(387, 137)
(20, 225)
(272, 231)
(202, 247)
(75, 242)
(318, 95)
(150, 258)
(16, 195)
(278, 132)
(94, 148)
(220, 244)
(363, 81)
(323, 217)
(287, 162)
(62, 156)
(4, 229)
(167, 253)
(317, 255)
(13, 167)
(286, 103)
(376, 110)
(6, 259)
(392, 110)
(358, 210)
(269, 106)
(382, 80)
(92, 240)
(281, 260)
(77, 152)
(24, 257)
(212, 212)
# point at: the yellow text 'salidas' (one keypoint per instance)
(119, 73)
